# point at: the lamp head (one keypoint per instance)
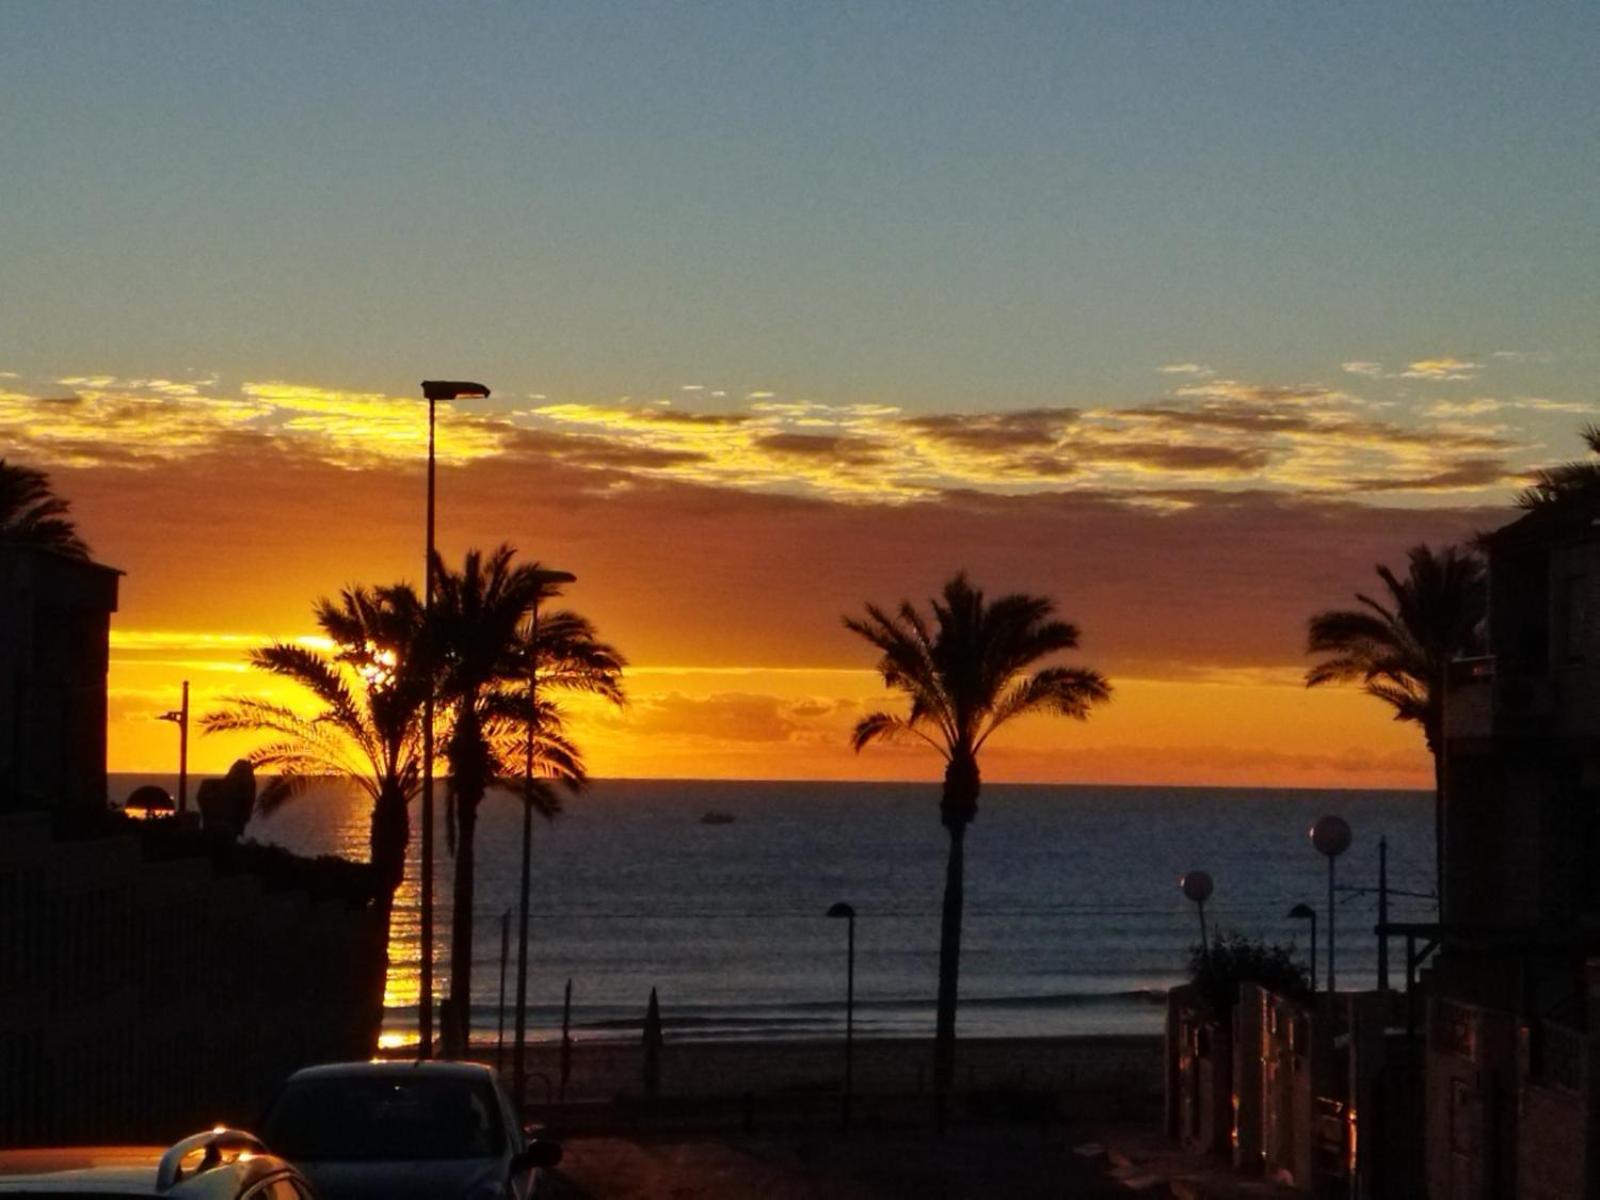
(1331, 836)
(453, 389)
(841, 909)
(1196, 885)
(1303, 912)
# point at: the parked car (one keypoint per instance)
(222, 1164)
(398, 1130)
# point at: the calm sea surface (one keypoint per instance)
(1074, 923)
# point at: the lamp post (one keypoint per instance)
(519, 1052)
(1197, 886)
(1331, 836)
(180, 718)
(433, 390)
(1304, 912)
(848, 913)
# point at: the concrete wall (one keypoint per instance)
(1471, 1083)
(1321, 1104)
(1558, 1142)
(145, 1000)
(1199, 1075)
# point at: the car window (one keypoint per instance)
(508, 1112)
(378, 1119)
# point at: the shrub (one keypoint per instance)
(1234, 959)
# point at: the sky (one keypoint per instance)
(1185, 315)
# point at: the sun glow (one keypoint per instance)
(1240, 726)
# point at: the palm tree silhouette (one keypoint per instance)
(1400, 649)
(485, 646)
(31, 514)
(368, 730)
(966, 673)
(1568, 481)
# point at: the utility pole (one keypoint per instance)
(180, 718)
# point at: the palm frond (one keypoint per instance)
(31, 514)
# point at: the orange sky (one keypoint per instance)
(722, 570)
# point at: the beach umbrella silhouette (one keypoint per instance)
(652, 1047)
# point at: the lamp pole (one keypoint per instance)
(1331, 836)
(433, 390)
(1197, 886)
(180, 718)
(519, 1052)
(846, 911)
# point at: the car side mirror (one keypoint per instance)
(540, 1152)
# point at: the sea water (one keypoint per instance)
(1074, 923)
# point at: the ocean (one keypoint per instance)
(1074, 921)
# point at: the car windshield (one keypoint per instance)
(377, 1118)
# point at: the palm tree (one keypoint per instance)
(966, 673)
(485, 644)
(368, 730)
(1567, 482)
(31, 514)
(1400, 649)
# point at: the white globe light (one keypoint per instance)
(1196, 886)
(1331, 836)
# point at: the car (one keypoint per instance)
(220, 1164)
(398, 1130)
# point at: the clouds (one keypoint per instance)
(1446, 368)
(1205, 430)
(729, 599)
(1440, 368)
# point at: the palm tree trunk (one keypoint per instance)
(461, 924)
(944, 1039)
(390, 835)
(387, 849)
(957, 807)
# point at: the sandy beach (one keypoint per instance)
(748, 1118)
(1113, 1069)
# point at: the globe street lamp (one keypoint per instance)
(1197, 886)
(1331, 836)
(433, 390)
(1304, 912)
(518, 1054)
(848, 913)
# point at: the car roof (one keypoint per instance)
(393, 1069)
(129, 1169)
(126, 1171)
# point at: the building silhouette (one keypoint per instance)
(154, 976)
(1514, 990)
(55, 627)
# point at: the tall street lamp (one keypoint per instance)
(180, 718)
(1304, 912)
(1197, 886)
(518, 1060)
(1331, 836)
(848, 913)
(433, 391)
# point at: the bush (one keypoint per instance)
(1234, 959)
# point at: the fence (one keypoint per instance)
(144, 999)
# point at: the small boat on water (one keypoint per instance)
(717, 817)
